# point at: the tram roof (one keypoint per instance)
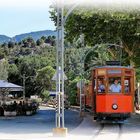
(128, 67)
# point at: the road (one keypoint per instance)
(92, 130)
(39, 127)
(36, 126)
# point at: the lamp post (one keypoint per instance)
(60, 127)
(61, 20)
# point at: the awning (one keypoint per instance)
(6, 86)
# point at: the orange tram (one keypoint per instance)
(110, 95)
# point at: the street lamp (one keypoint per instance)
(61, 20)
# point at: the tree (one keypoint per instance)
(44, 78)
(45, 95)
(11, 44)
(3, 69)
(13, 73)
(100, 26)
(2, 55)
(43, 38)
(39, 42)
(50, 40)
(28, 42)
(99, 54)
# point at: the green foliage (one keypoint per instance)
(13, 74)
(27, 58)
(138, 74)
(11, 44)
(72, 90)
(3, 69)
(45, 95)
(38, 58)
(13, 69)
(39, 42)
(96, 56)
(28, 42)
(38, 100)
(2, 55)
(44, 78)
(106, 26)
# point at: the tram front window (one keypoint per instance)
(127, 85)
(100, 85)
(115, 85)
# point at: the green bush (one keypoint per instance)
(45, 95)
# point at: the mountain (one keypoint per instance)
(35, 35)
(4, 38)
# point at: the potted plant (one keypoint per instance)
(9, 110)
(28, 109)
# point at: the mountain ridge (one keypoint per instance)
(35, 35)
(4, 38)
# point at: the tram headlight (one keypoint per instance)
(114, 106)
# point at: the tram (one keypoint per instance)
(111, 92)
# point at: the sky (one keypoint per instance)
(23, 16)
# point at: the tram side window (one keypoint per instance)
(100, 85)
(127, 85)
(115, 85)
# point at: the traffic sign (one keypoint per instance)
(59, 72)
(81, 83)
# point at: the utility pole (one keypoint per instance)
(24, 79)
(60, 77)
(60, 129)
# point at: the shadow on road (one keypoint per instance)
(42, 122)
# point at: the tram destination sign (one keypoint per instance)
(114, 71)
(113, 63)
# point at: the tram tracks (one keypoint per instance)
(100, 130)
(108, 131)
(96, 134)
(120, 131)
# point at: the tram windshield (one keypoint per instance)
(127, 87)
(115, 85)
(100, 85)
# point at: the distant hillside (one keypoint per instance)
(35, 35)
(4, 38)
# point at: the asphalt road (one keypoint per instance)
(41, 123)
(39, 127)
(92, 130)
